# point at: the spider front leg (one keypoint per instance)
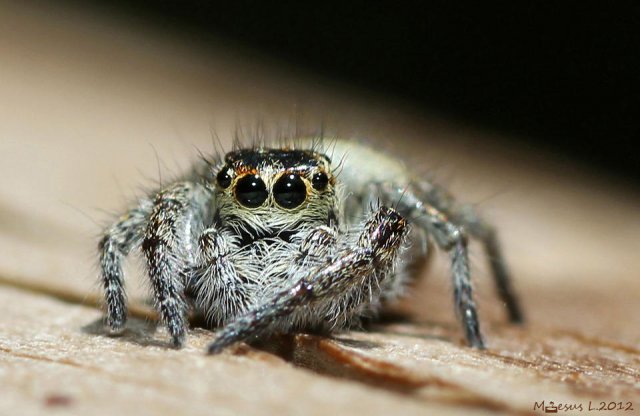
(371, 256)
(216, 282)
(168, 246)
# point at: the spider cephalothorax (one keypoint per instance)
(272, 240)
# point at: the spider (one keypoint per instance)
(303, 236)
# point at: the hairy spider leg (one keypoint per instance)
(176, 218)
(218, 288)
(118, 240)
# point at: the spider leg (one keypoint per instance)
(373, 254)
(487, 234)
(315, 248)
(477, 227)
(168, 247)
(450, 237)
(117, 242)
(216, 282)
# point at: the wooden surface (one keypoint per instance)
(92, 109)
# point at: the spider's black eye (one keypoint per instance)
(223, 178)
(289, 191)
(251, 191)
(320, 181)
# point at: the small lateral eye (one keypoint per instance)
(289, 191)
(320, 181)
(223, 178)
(251, 191)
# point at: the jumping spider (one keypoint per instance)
(287, 238)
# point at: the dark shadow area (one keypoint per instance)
(137, 331)
(327, 356)
(558, 76)
(385, 317)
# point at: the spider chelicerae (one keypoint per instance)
(310, 235)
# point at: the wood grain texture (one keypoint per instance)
(92, 109)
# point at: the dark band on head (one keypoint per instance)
(288, 159)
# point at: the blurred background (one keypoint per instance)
(560, 76)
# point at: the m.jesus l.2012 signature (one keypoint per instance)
(591, 406)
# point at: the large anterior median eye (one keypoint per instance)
(289, 191)
(251, 191)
